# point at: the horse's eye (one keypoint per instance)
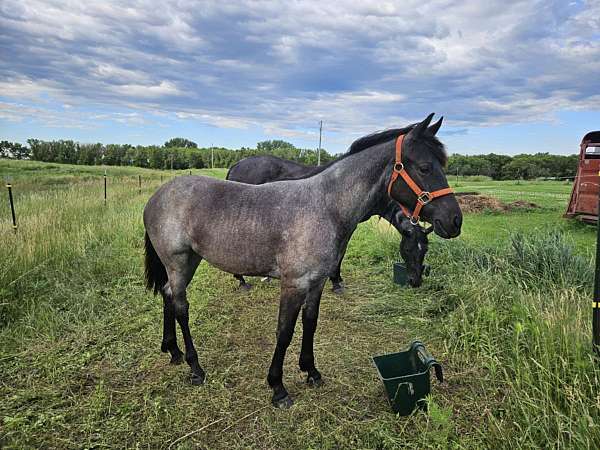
(425, 168)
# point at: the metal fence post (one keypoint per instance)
(12, 206)
(105, 186)
(140, 184)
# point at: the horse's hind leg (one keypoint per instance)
(169, 342)
(243, 284)
(310, 315)
(180, 274)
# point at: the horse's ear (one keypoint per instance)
(422, 126)
(433, 129)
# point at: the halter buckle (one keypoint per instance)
(398, 167)
(424, 198)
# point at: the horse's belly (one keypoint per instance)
(243, 266)
(241, 258)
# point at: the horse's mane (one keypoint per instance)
(436, 147)
(376, 138)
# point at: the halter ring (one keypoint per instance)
(424, 198)
(414, 220)
(398, 167)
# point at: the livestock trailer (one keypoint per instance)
(584, 196)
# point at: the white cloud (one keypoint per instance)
(142, 91)
(283, 66)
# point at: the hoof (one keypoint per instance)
(284, 403)
(245, 287)
(338, 289)
(198, 380)
(266, 279)
(314, 380)
(176, 359)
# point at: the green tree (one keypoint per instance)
(89, 154)
(14, 150)
(180, 143)
(158, 159)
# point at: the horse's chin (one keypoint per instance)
(443, 232)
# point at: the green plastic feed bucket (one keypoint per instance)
(400, 274)
(405, 376)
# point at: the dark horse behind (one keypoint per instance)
(193, 218)
(262, 169)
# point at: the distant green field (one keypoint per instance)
(552, 198)
(506, 310)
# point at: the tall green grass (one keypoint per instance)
(508, 316)
(66, 232)
(522, 313)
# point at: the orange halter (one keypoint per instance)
(423, 197)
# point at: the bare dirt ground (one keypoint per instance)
(472, 202)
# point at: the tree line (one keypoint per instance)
(180, 153)
(524, 166)
(177, 153)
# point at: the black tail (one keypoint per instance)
(156, 274)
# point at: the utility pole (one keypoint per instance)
(319, 151)
(212, 157)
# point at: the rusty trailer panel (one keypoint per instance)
(584, 196)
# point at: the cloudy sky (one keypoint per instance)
(509, 76)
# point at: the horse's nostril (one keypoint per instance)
(457, 220)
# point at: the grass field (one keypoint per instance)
(506, 310)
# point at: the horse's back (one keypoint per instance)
(224, 222)
(262, 169)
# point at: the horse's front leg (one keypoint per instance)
(310, 315)
(290, 303)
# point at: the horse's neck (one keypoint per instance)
(356, 185)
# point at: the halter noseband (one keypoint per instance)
(423, 197)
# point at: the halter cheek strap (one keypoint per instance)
(423, 197)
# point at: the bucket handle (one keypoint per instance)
(418, 348)
(408, 387)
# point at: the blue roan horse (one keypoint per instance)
(262, 169)
(293, 230)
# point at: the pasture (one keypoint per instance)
(506, 310)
